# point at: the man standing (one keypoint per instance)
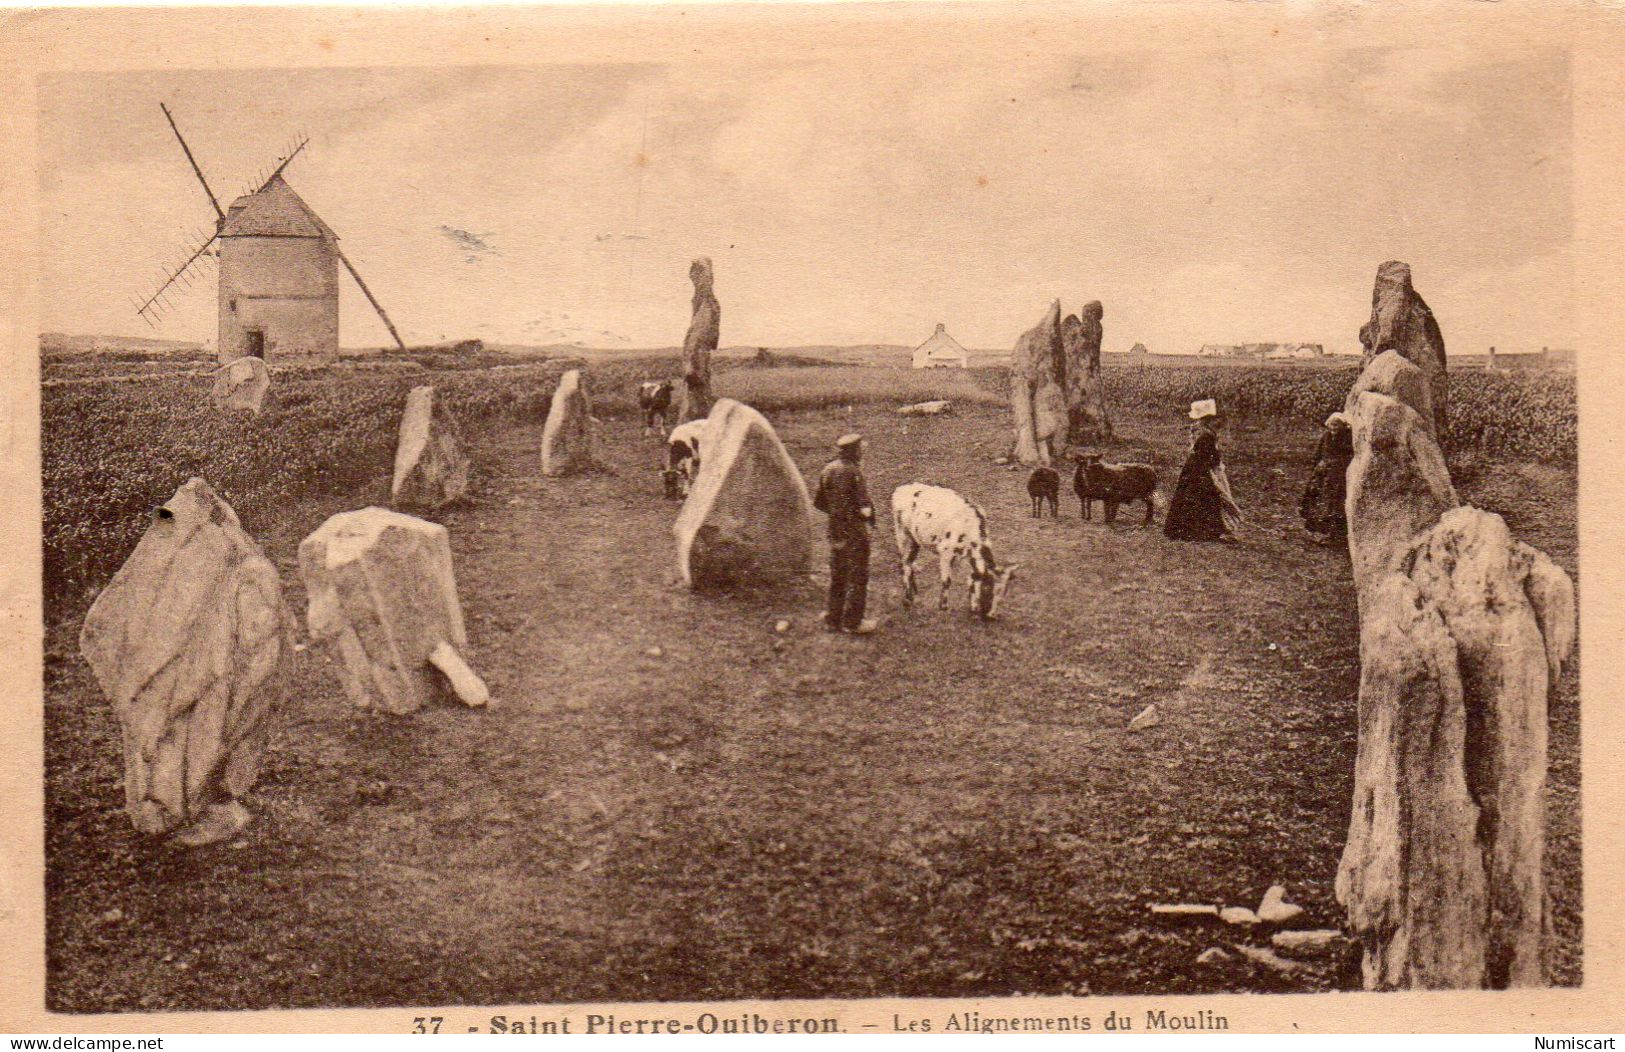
(843, 496)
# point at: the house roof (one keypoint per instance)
(941, 344)
(275, 211)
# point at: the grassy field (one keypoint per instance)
(675, 802)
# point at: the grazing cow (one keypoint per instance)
(1044, 486)
(940, 519)
(1114, 484)
(654, 398)
(682, 459)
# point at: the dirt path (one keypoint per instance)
(948, 808)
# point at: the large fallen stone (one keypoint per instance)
(1401, 321)
(241, 384)
(381, 586)
(1441, 875)
(568, 445)
(1037, 392)
(1088, 422)
(748, 516)
(934, 408)
(182, 641)
(1398, 486)
(1391, 374)
(431, 469)
(704, 330)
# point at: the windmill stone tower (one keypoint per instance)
(279, 278)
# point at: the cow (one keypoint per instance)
(940, 519)
(1044, 486)
(682, 459)
(1112, 485)
(654, 398)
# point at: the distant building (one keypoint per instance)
(1262, 350)
(941, 351)
(1559, 359)
(1138, 351)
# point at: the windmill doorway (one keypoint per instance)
(256, 343)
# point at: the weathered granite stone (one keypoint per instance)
(1087, 420)
(1037, 391)
(380, 583)
(1398, 486)
(1401, 321)
(1391, 374)
(182, 641)
(748, 515)
(1441, 875)
(704, 330)
(241, 384)
(431, 469)
(568, 437)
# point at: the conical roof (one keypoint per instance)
(275, 211)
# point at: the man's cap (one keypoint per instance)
(848, 441)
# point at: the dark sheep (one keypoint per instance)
(1112, 485)
(1044, 485)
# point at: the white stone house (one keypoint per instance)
(941, 351)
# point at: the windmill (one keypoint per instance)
(278, 269)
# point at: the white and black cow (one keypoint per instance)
(654, 398)
(682, 458)
(940, 519)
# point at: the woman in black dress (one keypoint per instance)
(1202, 508)
(1322, 503)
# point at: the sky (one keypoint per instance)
(1204, 196)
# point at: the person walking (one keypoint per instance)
(1202, 508)
(843, 496)
(1322, 502)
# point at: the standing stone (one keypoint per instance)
(1511, 642)
(704, 330)
(431, 469)
(1401, 321)
(1392, 374)
(380, 583)
(241, 384)
(568, 445)
(1037, 390)
(748, 516)
(1398, 486)
(181, 641)
(1442, 872)
(1087, 420)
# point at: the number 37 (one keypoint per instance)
(427, 1024)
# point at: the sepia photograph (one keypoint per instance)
(813, 503)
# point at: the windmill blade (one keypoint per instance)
(283, 163)
(169, 277)
(370, 297)
(192, 161)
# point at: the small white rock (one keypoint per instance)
(1212, 955)
(781, 626)
(1148, 717)
(1183, 910)
(1275, 909)
(655, 652)
(1306, 943)
(1269, 958)
(1238, 915)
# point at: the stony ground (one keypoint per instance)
(948, 808)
